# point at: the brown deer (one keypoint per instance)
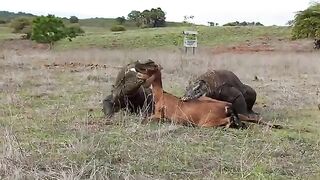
(202, 112)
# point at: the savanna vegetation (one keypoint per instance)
(52, 126)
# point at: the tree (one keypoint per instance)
(73, 31)
(306, 23)
(135, 16)
(74, 19)
(244, 23)
(121, 20)
(211, 23)
(49, 29)
(259, 24)
(148, 18)
(158, 17)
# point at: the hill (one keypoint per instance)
(7, 16)
(170, 37)
(108, 22)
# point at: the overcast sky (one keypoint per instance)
(268, 12)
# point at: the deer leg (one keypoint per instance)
(152, 118)
(216, 122)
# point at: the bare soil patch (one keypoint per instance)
(266, 44)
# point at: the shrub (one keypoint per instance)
(18, 24)
(117, 28)
(74, 19)
(121, 20)
(73, 31)
(307, 23)
(49, 29)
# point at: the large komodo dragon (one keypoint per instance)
(129, 93)
(225, 86)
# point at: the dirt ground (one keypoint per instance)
(50, 105)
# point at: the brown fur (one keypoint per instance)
(246, 118)
(202, 112)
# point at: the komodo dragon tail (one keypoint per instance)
(259, 121)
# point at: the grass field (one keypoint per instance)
(170, 37)
(52, 126)
(6, 33)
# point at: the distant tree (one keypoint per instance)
(74, 19)
(121, 20)
(49, 29)
(244, 23)
(251, 24)
(135, 16)
(148, 18)
(211, 23)
(73, 31)
(158, 17)
(145, 18)
(259, 24)
(306, 23)
(18, 24)
(217, 24)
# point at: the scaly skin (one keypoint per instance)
(225, 86)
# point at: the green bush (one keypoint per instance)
(73, 31)
(307, 23)
(18, 24)
(117, 28)
(74, 19)
(49, 29)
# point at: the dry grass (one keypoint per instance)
(52, 127)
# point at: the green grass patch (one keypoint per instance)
(6, 33)
(170, 37)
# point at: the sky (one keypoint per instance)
(268, 12)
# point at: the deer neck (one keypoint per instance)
(157, 87)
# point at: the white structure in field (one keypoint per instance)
(190, 40)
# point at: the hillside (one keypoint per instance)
(7, 16)
(170, 37)
(90, 22)
(108, 22)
